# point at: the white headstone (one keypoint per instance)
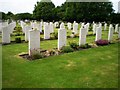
(82, 36)
(34, 41)
(4, 24)
(98, 33)
(82, 25)
(40, 25)
(88, 24)
(5, 35)
(12, 26)
(61, 38)
(94, 28)
(51, 26)
(116, 28)
(110, 34)
(27, 28)
(56, 24)
(75, 28)
(105, 26)
(62, 25)
(119, 33)
(46, 31)
(69, 25)
(23, 26)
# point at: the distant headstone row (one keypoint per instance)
(33, 29)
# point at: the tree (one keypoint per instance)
(10, 15)
(87, 11)
(23, 16)
(115, 18)
(44, 10)
(3, 16)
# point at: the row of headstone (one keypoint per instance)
(34, 36)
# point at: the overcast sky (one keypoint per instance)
(22, 6)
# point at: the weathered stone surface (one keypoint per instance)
(110, 34)
(116, 28)
(94, 28)
(119, 33)
(62, 26)
(98, 33)
(75, 28)
(62, 37)
(82, 36)
(34, 41)
(46, 31)
(27, 28)
(5, 35)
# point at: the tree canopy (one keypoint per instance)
(44, 10)
(69, 11)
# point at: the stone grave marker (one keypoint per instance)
(98, 33)
(82, 36)
(27, 28)
(116, 28)
(6, 35)
(46, 31)
(34, 42)
(110, 34)
(75, 28)
(62, 36)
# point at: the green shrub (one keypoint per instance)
(17, 34)
(85, 46)
(90, 28)
(66, 49)
(18, 40)
(73, 45)
(36, 56)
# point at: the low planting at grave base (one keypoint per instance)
(102, 42)
(53, 52)
(18, 40)
(73, 46)
(41, 54)
(86, 46)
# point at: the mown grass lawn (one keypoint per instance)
(91, 68)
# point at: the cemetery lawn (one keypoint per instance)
(91, 68)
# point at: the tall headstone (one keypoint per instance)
(110, 34)
(98, 33)
(75, 28)
(62, 25)
(34, 42)
(116, 28)
(105, 26)
(12, 26)
(23, 26)
(94, 28)
(87, 27)
(119, 33)
(5, 35)
(56, 24)
(46, 31)
(82, 25)
(27, 28)
(69, 25)
(51, 26)
(40, 26)
(61, 38)
(82, 36)
(4, 24)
